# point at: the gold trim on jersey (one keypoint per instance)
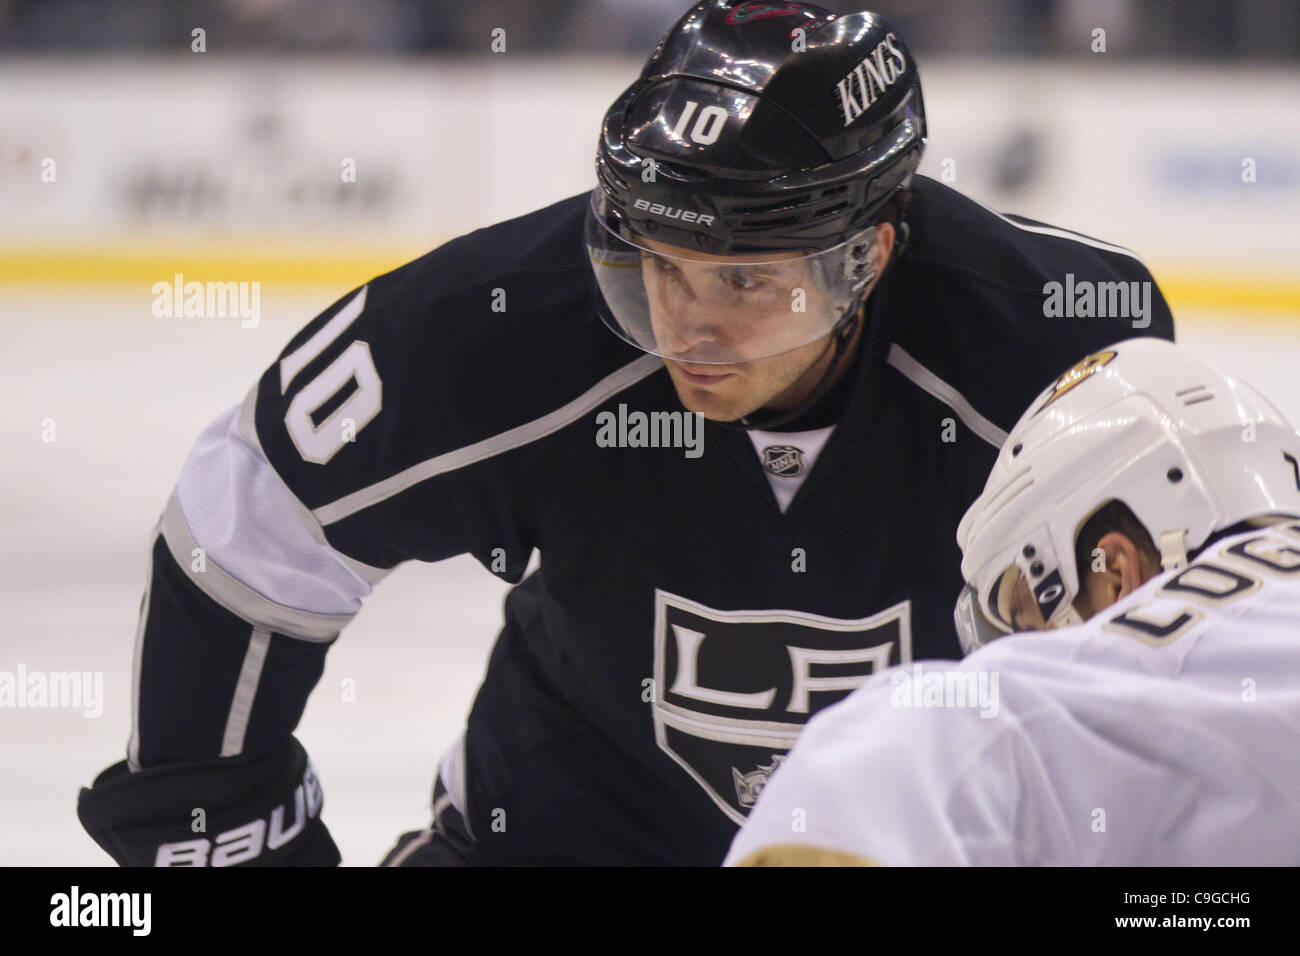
(792, 854)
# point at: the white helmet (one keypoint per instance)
(1188, 449)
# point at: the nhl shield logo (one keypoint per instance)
(735, 688)
(783, 460)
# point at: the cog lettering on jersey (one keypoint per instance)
(738, 686)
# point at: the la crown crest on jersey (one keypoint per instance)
(740, 179)
(1189, 450)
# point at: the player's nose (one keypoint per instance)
(685, 324)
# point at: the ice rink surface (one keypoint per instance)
(127, 394)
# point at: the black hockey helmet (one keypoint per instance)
(755, 129)
(778, 125)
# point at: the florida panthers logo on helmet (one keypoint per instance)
(1077, 374)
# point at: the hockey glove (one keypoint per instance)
(255, 811)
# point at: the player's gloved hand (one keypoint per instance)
(256, 811)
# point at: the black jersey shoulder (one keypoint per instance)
(969, 299)
(951, 231)
(542, 241)
(483, 335)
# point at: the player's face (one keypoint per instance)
(1025, 614)
(1125, 571)
(736, 304)
(706, 309)
(728, 392)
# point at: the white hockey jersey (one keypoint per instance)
(1164, 731)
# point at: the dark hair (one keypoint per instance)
(1114, 515)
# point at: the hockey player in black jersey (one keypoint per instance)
(738, 400)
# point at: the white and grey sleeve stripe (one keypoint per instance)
(137, 658)
(245, 691)
(241, 703)
(937, 387)
(244, 539)
(266, 558)
(237, 597)
(247, 429)
(517, 437)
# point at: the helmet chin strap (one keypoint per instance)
(841, 336)
(1173, 549)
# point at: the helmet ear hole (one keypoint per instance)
(863, 273)
(861, 258)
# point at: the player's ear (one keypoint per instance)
(885, 236)
(1114, 572)
(1123, 573)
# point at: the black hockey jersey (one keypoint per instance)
(683, 626)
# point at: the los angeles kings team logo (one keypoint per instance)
(735, 688)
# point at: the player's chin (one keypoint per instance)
(721, 401)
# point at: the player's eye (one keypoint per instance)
(741, 281)
(659, 263)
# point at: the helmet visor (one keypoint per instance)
(974, 629)
(693, 307)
